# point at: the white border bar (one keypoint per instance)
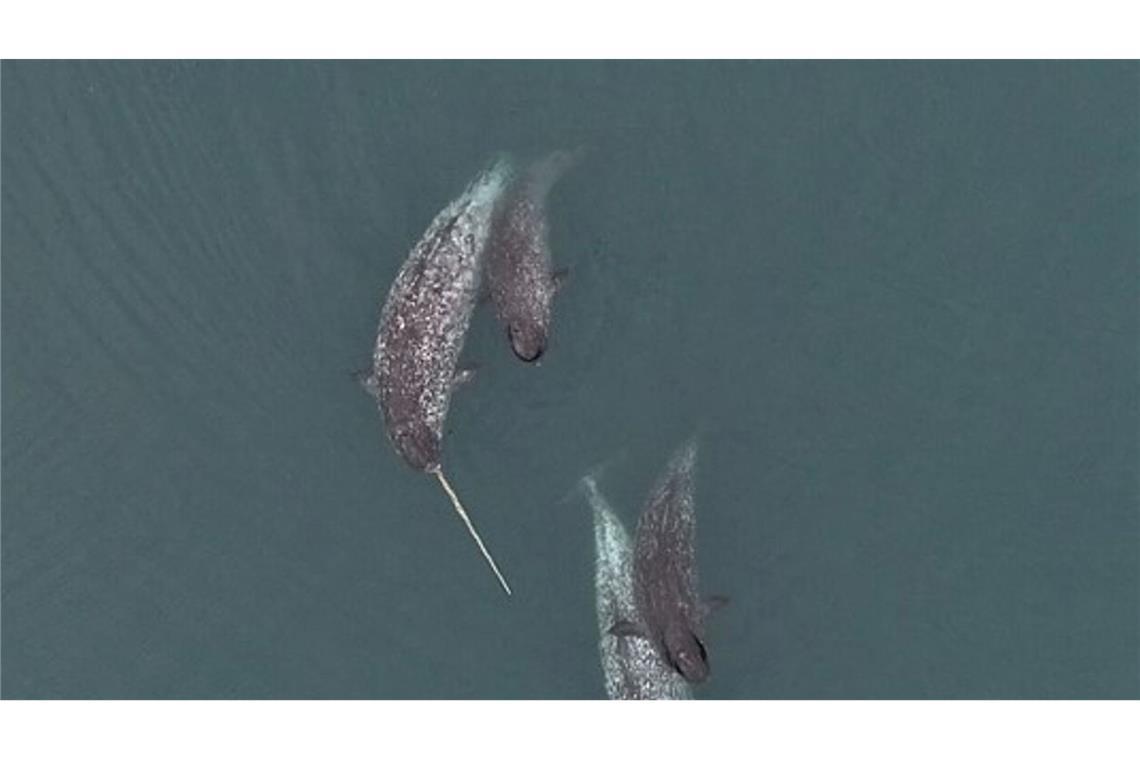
(569, 729)
(569, 29)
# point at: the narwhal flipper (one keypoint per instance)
(464, 375)
(368, 382)
(627, 628)
(713, 603)
(559, 277)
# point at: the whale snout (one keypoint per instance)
(529, 355)
(528, 341)
(418, 446)
(687, 654)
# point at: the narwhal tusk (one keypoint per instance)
(471, 528)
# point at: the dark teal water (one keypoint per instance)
(898, 302)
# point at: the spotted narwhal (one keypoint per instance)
(631, 666)
(423, 326)
(519, 269)
(665, 572)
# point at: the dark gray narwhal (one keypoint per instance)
(631, 666)
(423, 326)
(522, 283)
(665, 572)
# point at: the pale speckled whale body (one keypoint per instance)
(424, 321)
(631, 666)
(665, 570)
(522, 284)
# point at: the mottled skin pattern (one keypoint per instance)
(631, 666)
(518, 264)
(665, 571)
(424, 321)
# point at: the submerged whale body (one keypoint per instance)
(522, 283)
(425, 318)
(631, 665)
(423, 326)
(665, 572)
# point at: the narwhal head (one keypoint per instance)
(418, 444)
(528, 338)
(686, 653)
(528, 317)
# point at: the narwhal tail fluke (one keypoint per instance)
(471, 528)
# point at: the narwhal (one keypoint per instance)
(423, 326)
(631, 666)
(522, 283)
(665, 572)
